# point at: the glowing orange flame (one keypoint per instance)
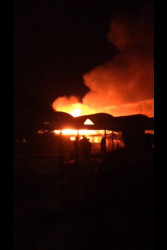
(75, 132)
(72, 106)
(88, 122)
(93, 135)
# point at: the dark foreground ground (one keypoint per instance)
(85, 205)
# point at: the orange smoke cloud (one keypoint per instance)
(125, 84)
(129, 76)
(145, 107)
(72, 106)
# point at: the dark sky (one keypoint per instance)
(56, 42)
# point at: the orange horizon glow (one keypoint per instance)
(74, 108)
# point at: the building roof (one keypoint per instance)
(136, 120)
(101, 121)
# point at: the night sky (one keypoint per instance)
(55, 43)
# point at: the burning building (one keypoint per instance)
(95, 127)
(119, 89)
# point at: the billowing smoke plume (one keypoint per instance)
(129, 76)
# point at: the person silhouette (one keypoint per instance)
(85, 146)
(76, 148)
(103, 146)
(61, 149)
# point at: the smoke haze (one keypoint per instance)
(128, 78)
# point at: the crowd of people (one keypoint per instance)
(82, 148)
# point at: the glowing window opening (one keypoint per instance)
(88, 122)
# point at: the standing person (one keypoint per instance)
(88, 149)
(76, 148)
(61, 149)
(85, 146)
(103, 146)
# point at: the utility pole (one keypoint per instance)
(105, 139)
(112, 138)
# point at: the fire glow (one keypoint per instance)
(93, 135)
(74, 132)
(72, 106)
(76, 112)
(66, 104)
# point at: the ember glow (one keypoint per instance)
(80, 132)
(93, 135)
